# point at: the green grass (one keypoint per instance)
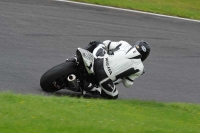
(51, 114)
(182, 8)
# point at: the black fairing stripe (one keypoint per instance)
(109, 45)
(136, 57)
(129, 49)
(129, 79)
(127, 73)
(117, 48)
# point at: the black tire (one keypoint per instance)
(55, 73)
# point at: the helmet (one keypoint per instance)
(143, 48)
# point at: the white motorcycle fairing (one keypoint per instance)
(88, 60)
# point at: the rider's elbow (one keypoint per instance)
(127, 83)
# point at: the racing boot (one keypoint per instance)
(95, 91)
(90, 88)
(86, 88)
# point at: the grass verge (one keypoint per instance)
(182, 8)
(42, 114)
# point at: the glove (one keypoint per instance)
(110, 52)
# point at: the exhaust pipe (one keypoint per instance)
(72, 82)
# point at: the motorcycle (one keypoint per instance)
(71, 75)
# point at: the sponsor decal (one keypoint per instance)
(108, 66)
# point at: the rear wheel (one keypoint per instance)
(55, 78)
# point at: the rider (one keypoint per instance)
(117, 61)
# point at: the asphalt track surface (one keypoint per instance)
(36, 35)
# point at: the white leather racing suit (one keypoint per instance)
(123, 62)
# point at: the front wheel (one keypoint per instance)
(57, 75)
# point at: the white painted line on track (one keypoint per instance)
(128, 10)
